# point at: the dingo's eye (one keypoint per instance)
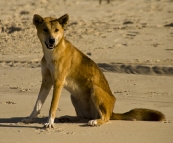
(45, 30)
(56, 30)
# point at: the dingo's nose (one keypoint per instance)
(52, 41)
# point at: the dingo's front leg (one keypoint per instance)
(44, 91)
(54, 104)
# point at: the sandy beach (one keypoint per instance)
(130, 40)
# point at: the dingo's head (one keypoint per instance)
(50, 30)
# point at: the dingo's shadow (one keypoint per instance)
(13, 122)
(16, 122)
(19, 119)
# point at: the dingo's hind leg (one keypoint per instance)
(104, 104)
(77, 107)
(84, 110)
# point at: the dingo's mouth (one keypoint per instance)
(49, 46)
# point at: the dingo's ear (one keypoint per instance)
(63, 20)
(37, 20)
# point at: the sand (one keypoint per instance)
(131, 41)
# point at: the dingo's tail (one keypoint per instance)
(139, 114)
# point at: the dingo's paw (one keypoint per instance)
(92, 123)
(50, 123)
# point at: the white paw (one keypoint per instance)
(28, 120)
(50, 123)
(92, 123)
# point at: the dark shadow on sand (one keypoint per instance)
(16, 122)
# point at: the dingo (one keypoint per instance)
(63, 65)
